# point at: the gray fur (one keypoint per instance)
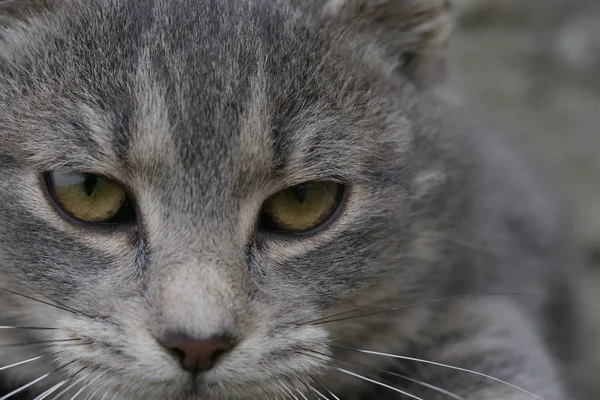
(203, 109)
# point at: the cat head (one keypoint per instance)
(193, 185)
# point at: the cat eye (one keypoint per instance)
(90, 198)
(302, 208)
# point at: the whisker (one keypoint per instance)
(427, 385)
(292, 395)
(93, 394)
(24, 387)
(321, 320)
(383, 371)
(281, 389)
(284, 395)
(324, 388)
(116, 395)
(27, 328)
(301, 394)
(84, 387)
(72, 385)
(51, 390)
(442, 365)
(321, 395)
(21, 363)
(66, 390)
(55, 387)
(58, 305)
(327, 320)
(379, 383)
(285, 387)
(39, 342)
(101, 387)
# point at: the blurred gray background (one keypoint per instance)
(532, 69)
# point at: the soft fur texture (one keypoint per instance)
(204, 108)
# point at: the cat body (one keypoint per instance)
(445, 250)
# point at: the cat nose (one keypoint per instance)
(198, 355)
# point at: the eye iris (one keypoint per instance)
(302, 207)
(87, 197)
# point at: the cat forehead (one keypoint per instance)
(192, 80)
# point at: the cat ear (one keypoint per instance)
(413, 32)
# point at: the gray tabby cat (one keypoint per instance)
(236, 199)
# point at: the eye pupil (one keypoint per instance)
(89, 184)
(301, 192)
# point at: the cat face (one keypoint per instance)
(211, 122)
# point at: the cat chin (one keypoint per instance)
(226, 390)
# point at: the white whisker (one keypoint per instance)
(407, 378)
(321, 395)
(51, 390)
(21, 363)
(328, 391)
(293, 396)
(87, 385)
(445, 366)
(28, 385)
(380, 384)
(105, 387)
(27, 328)
(281, 389)
(332, 395)
(301, 394)
(428, 385)
(80, 391)
(92, 394)
(71, 386)
(287, 389)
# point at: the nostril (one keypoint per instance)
(198, 355)
(180, 354)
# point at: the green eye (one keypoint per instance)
(301, 208)
(90, 198)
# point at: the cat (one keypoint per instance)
(259, 199)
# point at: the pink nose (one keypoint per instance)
(198, 355)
